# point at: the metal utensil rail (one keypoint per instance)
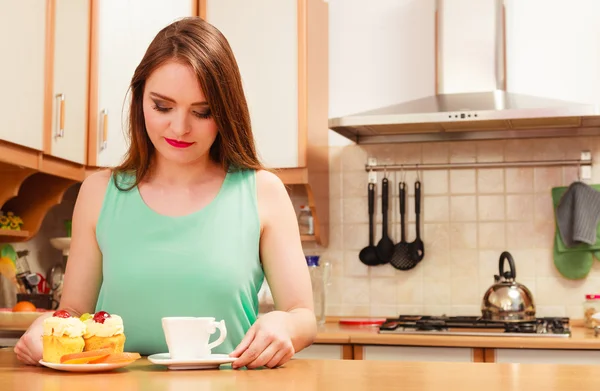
(584, 163)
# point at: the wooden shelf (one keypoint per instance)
(25, 161)
(315, 185)
(7, 235)
(293, 176)
(30, 195)
(32, 205)
(32, 183)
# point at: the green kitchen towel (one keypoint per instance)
(574, 262)
(557, 193)
(573, 265)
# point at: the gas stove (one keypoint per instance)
(557, 327)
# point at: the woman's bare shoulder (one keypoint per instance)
(91, 193)
(273, 199)
(98, 181)
(269, 185)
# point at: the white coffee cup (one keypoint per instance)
(187, 337)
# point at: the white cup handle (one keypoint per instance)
(223, 334)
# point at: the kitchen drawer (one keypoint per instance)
(547, 356)
(9, 338)
(322, 352)
(417, 353)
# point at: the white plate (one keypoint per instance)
(85, 367)
(210, 362)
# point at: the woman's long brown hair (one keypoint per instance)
(194, 42)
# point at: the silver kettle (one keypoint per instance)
(507, 300)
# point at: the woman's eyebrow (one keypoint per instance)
(163, 97)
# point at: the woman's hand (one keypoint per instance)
(29, 347)
(267, 343)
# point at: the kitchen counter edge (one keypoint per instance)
(333, 333)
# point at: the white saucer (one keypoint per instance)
(209, 362)
(85, 367)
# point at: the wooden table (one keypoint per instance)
(307, 375)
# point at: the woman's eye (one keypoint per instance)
(204, 115)
(160, 108)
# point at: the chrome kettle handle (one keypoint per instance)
(511, 263)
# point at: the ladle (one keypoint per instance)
(368, 255)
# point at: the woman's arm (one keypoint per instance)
(277, 335)
(283, 259)
(83, 275)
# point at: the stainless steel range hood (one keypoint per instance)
(471, 101)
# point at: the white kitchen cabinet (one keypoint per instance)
(381, 54)
(281, 47)
(417, 353)
(264, 38)
(124, 30)
(321, 352)
(23, 43)
(547, 356)
(70, 82)
(552, 49)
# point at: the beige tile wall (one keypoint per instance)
(468, 218)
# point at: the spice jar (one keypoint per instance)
(591, 306)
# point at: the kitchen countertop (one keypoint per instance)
(334, 333)
(309, 375)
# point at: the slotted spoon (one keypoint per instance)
(402, 259)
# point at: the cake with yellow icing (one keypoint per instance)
(104, 330)
(62, 334)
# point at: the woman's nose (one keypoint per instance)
(180, 125)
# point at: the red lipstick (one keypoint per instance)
(177, 144)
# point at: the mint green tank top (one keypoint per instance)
(202, 264)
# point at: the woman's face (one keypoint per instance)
(176, 113)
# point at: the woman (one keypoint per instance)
(187, 224)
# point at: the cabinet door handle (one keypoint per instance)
(60, 115)
(104, 128)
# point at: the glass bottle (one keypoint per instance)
(305, 221)
(319, 276)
